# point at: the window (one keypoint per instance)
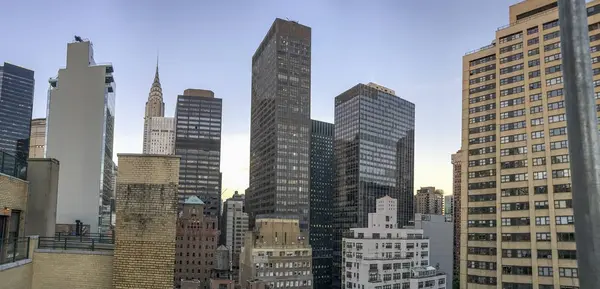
(533, 41)
(481, 151)
(510, 58)
(514, 192)
(550, 24)
(533, 52)
(558, 131)
(563, 204)
(539, 175)
(511, 37)
(536, 109)
(513, 151)
(513, 138)
(538, 147)
(513, 113)
(556, 105)
(552, 46)
(567, 254)
(554, 81)
(537, 134)
(512, 125)
(482, 162)
(535, 85)
(514, 164)
(540, 205)
(564, 220)
(564, 173)
(512, 68)
(482, 210)
(480, 129)
(511, 102)
(482, 78)
(510, 48)
(516, 253)
(556, 118)
(542, 221)
(481, 265)
(554, 69)
(559, 144)
(516, 270)
(483, 118)
(568, 272)
(544, 271)
(513, 90)
(516, 237)
(552, 57)
(544, 254)
(482, 98)
(515, 206)
(482, 251)
(533, 63)
(482, 198)
(512, 79)
(481, 223)
(522, 221)
(565, 237)
(481, 174)
(513, 178)
(539, 161)
(535, 97)
(561, 159)
(543, 237)
(562, 188)
(551, 35)
(532, 30)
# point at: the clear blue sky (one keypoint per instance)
(413, 47)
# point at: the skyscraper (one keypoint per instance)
(280, 123)
(159, 131)
(198, 143)
(321, 198)
(37, 140)
(518, 229)
(374, 157)
(429, 201)
(456, 191)
(81, 109)
(16, 104)
(234, 225)
(448, 205)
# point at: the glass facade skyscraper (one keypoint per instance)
(321, 197)
(16, 104)
(374, 157)
(198, 143)
(280, 123)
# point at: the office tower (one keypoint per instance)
(159, 131)
(456, 190)
(448, 205)
(16, 104)
(516, 179)
(81, 117)
(233, 228)
(277, 252)
(380, 255)
(196, 245)
(37, 139)
(198, 143)
(145, 235)
(430, 201)
(280, 123)
(321, 199)
(372, 160)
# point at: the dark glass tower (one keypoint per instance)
(321, 198)
(374, 157)
(280, 123)
(198, 143)
(16, 104)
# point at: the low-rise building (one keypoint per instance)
(384, 256)
(276, 254)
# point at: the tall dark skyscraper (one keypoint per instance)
(198, 143)
(280, 123)
(374, 157)
(321, 199)
(16, 104)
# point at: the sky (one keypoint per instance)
(412, 47)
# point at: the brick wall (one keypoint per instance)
(18, 277)
(72, 269)
(13, 194)
(146, 206)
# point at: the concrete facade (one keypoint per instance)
(440, 231)
(161, 136)
(80, 135)
(428, 200)
(42, 175)
(145, 230)
(37, 140)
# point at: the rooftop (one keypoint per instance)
(193, 200)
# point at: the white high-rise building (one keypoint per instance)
(159, 131)
(385, 257)
(234, 226)
(80, 131)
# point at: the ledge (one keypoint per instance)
(80, 252)
(19, 263)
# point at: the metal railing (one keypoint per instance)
(87, 242)
(12, 250)
(13, 166)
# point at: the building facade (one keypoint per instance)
(383, 256)
(374, 157)
(234, 227)
(449, 205)
(37, 139)
(440, 232)
(198, 142)
(276, 253)
(80, 131)
(429, 201)
(280, 123)
(16, 105)
(321, 199)
(196, 244)
(518, 228)
(456, 216)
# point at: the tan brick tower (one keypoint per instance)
(146, 206)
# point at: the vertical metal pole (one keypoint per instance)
(584, 140)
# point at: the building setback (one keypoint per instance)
(374, 157)
(456, 186)
(81, 118)
(16, 105)
(196, 244)
(516, 185)
(430, 201)
(280, 123)
(277, 254)
(198, 143)
(37, 139)
(381, 255)
(321, 198)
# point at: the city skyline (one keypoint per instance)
(225, 65)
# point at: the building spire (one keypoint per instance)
(156, 89)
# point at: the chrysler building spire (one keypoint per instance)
(155, 108)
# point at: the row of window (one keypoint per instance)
(521, 237)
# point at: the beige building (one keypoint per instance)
(277, 254)
(37, 139)
(517, 221)
(141, 256)
(456, 190)
(429, 201)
